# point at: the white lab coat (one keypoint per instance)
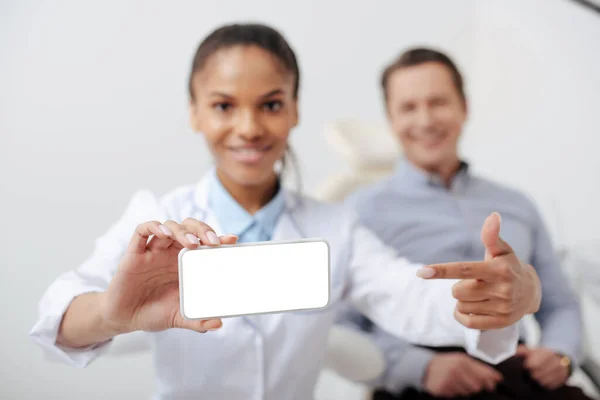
(275, 356)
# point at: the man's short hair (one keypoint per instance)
(422, 55)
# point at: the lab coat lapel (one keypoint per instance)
(288, 226)
(204, 213)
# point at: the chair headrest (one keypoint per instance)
(363, 144)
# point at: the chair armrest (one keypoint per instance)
(353, 355)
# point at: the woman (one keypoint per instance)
(243, 98)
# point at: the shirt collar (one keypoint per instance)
(233, 218)
(408, 173)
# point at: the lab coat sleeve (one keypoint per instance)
(386, 289)
(93, 275)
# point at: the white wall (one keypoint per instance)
(93, 107)
(535, 121)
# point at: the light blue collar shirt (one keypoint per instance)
(234, 219)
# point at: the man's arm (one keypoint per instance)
(559, 315)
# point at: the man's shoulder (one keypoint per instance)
(502, 191)
(368, 193)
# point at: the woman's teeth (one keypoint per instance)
(249, 154)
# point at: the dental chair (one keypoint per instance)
(371, 153)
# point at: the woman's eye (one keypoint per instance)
(407, 107)
(439, 101)
(223, 107)
(274, 105)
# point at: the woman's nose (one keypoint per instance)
(249, 126)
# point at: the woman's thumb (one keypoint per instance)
(200, 326)
(490, 236)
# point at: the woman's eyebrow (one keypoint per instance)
(272, 93)
(220, 94)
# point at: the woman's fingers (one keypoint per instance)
(202, 231)
(470, 290)
(144, 231)
(228, 239)
(483, 322)
(200, 326)
(161, 243)
(190, 234)
(485, 307)
(182, 235)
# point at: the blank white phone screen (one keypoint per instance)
(253, 279)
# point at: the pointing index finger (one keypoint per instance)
(456, 270)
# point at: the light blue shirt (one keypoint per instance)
(415, 214)
(234, 219)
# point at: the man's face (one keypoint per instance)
(427, 113)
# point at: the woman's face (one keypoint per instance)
(245, 107)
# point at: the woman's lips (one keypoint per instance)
(249, 155)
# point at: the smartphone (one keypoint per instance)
(254, 278)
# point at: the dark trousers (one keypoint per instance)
(516, 385)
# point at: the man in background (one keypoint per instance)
(430, 211)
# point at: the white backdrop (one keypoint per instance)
(93, 107)
(535, 112)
